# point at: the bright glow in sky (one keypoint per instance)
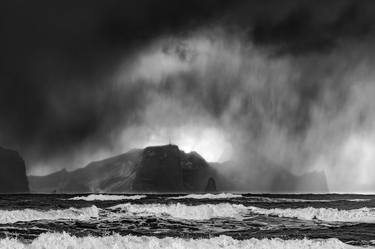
(210, 143)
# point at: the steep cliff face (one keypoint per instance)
(12, 172)
(154, 169)
(168, 169)
(159, 170)
(196, 172)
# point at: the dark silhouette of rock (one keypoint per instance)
(154, 169)
(196, 171)
(12, 172)
(168, 169)
(159, 170)
(211, 185)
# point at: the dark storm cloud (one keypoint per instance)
(58, 61)
(315, 30)
(55, 60)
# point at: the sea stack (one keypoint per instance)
(211, 185)
(12, 172)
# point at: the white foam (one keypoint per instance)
(277, 200)
(65, 241)
(208, 196)
(333, 200)
(364, 215)
(356, 200)
(181, 211)
(32, 214)
(101, 197)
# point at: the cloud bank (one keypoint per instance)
(283, 87)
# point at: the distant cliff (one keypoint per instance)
(153, 169)
(168, 169)
(115, 174)
(12, 172)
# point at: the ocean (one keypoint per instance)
(226, 220)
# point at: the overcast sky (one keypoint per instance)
(286, 84)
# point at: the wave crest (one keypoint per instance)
(101, 197)
(207, 196)
(181, 211)
(277, 200)
(13, 216)
(364, 215)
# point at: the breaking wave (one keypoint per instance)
(277, 200)
(238, 211)
(181, 211)
(363, 215)
(208, 196)
(102, 197)
(65, 241)
(13, 216)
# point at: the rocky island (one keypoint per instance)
(168, 169)
(13, 177)
(153, 169)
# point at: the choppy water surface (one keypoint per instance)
(187, 221)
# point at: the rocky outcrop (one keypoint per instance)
(12, 172)
(154, 169)
(168, 169)
(159, 170)
(211, 185)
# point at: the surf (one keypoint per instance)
(65, 241)
(12, 216)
